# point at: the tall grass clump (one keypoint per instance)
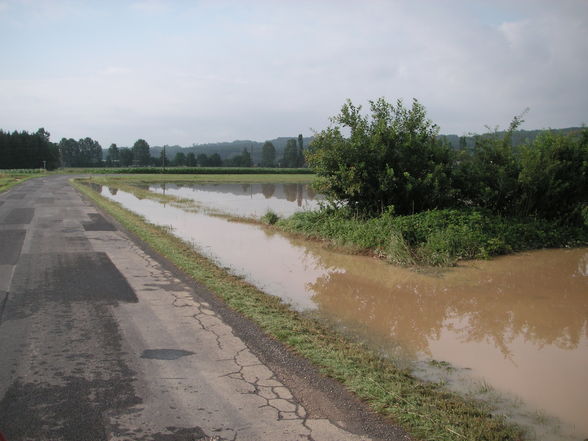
(434, 237)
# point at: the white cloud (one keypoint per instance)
(116, 70)
(212, 71)
(151, 6)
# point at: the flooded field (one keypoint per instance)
(516, 324)
(246, 200)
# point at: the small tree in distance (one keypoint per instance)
(290, 158)
(191, 159)
(268, 155)
(141, 154)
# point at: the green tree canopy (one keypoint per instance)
(141, 155)
(301, 161)
(290, 158)
(125, 155)
(390, 158)
(268, 155)
(191, 159)
(28, 150)
(242, 160)
(203, 160)
(215, 160)
(180, 158)
(112, 157)
(83, 153)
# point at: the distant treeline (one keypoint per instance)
(518, 137)
(285, 151)
(22, 150)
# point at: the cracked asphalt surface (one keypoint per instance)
(101, 339)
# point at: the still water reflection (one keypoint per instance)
(519, 322)
(247, 200)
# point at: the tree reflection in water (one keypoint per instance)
(540, 296)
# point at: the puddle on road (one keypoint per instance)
(165, 354)
(519, 323)
(246, 200)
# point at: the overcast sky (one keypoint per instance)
(183, 72)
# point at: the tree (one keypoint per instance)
(90, 153)
(112, 157)
(191, 159)
(203, 160)
(290, 158)
(553, 178)
(215, 160)
(125, 155)
(163, 161)
(268, 155)
(69, 150)
(390, 159)
(246, 160)
(300, 161)
(242, 160)
(28, 150)
(487, 175)
(180, 159)
(141, 155)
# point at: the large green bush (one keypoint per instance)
(392, 158)
(553, 180)
(393, 161)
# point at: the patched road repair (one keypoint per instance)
(101, 339)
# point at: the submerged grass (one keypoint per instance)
(436, 238)
(427, 410)
(200, 174)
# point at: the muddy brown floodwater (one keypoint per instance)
(516, 324)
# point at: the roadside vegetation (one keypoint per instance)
(396, 189)
(9, 178)
(435, 238)
(427, 410)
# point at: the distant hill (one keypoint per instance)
(519, 136)
(229, 149)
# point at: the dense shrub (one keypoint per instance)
(553, 181)
(391, 158)
(394, 160)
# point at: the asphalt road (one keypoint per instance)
(101, 339)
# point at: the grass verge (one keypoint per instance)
(427, 410)
(436, 238)
(9, 179)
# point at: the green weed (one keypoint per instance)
(434, 238)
